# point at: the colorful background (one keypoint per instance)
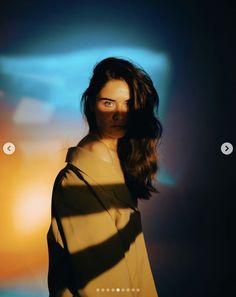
(47, 52)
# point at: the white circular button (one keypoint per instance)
(226, 148)
(9, 148)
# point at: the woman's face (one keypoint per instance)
(111, 109)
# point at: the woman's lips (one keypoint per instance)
(118, 126)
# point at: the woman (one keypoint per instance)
(96, 245)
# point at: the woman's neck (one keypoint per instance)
(111, 143)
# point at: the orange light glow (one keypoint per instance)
(32, 210)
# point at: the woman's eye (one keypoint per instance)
(108, 103)
(127, 104)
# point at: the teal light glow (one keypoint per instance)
(60, 79)
(165, 178)
(21, 293)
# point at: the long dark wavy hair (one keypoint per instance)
(137, 150)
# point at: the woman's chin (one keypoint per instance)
(117, 135)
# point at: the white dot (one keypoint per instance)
(133, 290)
(117, 290)
(108, 289)
(137, 289)
(102, 289)
(97, 289)
(113, 290)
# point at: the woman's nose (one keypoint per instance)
(119, 115)
(120, 112)
(115, 116)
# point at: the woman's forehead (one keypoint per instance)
(115, 90)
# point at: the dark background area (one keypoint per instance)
(198, 221)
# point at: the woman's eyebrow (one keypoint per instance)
(109, 99)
